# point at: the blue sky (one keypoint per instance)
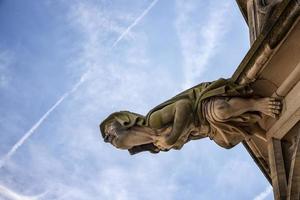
(65, 65)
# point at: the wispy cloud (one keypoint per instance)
(33, 128)
(74, 89)
(136, 21)
(12, 195)
(40, 121)
(264, 194)
(200, 37)
(6, 59)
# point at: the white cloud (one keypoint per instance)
(12, 195)
(263, 195)
(200, 36)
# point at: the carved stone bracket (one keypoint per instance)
(257, 66)
(267, 43)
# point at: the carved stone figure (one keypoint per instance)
(221, 110)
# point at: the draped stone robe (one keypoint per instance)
(225, 133)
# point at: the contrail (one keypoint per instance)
(136, 21)
(264, 194)
(41, 120)
(33, 128)
(65, 95)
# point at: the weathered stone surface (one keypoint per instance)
(273, 66)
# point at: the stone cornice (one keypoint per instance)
(265, 45)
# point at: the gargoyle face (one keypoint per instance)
(110, 132)
(116, 135)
